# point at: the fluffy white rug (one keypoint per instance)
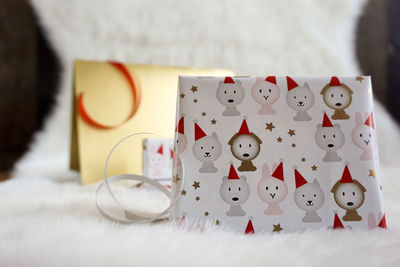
(47, 218)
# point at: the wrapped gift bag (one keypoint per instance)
(266, 154)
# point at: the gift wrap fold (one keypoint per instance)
(275, 153)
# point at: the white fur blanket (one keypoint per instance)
(49, 219)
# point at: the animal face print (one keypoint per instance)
(363, 136)
(337, 97)
(349, 196)
(207, 149)
(265, 92)
(180, 143)
(235, 192)
(272, 190)
(300, 98)
(156, 160)
(329, 138)
(245, 147)
(230, 94)
(309, 197)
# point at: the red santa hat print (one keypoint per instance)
(180, 128)
(346, 176)
(198, 132)
(291, 84)
(278, 173)
(271, 79)
(160, 150)
(299, 179)
(249, 229)
(244, 129)
(326, 122)
(335, 81)
(337, 223)
(382, 223)
(229, 79)
(233, 174)
(370, 121)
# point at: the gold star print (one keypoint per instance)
(213, 121)
(182, 95)
(203, 114)
(197, 198)
(183, 192)
(293, 145)
(194, 89)
(303, 159)
(217, 222)
(372, 173)
(206, 213)
(314, 168)
(291, 132)
(195, 100)
(175, 179)
(359, 78)
(277, 227)
(279, 139)
(269, 126)
(196, 185)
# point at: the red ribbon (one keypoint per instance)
(136, 97)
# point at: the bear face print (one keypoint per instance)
(363, 136)
(272, 189)
(245, 146)
(308, 197)
(207, 150)
(338, 97)
(300, 99)
(329, 138)
(234, 191)
(230, 93)
(156, 161)
(266, 92)
(349, 194)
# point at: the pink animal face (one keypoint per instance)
(156, 160)
(270, 189)
(363, 136)
(180, 143)
(265, 92)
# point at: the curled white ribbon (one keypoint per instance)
(134, 215)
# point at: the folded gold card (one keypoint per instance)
(112, 100)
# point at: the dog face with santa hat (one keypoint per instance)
(230, 93)
(300, 99)
(266, 92)
(330, 138)
(349, 194)
(308, 197)
(235, 191)
(206, 149)
(245, 146)
(337, 96)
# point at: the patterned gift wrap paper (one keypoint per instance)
(277, 153)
